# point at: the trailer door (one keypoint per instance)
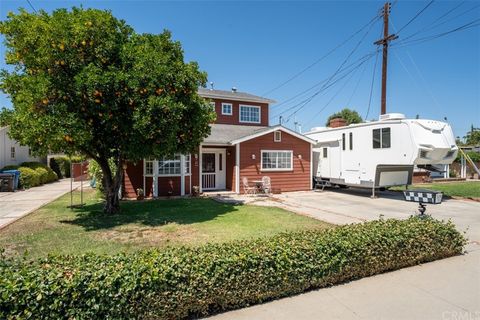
(324, 163)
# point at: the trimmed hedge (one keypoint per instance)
(33, 174)
(189, 282)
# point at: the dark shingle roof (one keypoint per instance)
(230, 95)
(225, 133)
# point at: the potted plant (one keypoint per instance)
(140, 194)
(195, 191)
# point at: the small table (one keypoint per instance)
(259, 185)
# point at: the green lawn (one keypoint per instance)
(57, 229)
(466, 189)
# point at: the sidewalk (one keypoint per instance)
(14, 205)
(446, 289)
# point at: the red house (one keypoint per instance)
(241, 144)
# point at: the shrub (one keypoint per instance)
(55, 167)
(28, 178)
(475, 156)
(186, 282)
(46, 174)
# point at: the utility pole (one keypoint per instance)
(386, 39)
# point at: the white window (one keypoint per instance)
(277, 136)
(381, 138)
(187, 164)
(148, 167)
(249, 114)
(169, 166)
(274, 160)
(12, 152)
(227, 109)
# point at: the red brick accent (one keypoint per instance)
(337, 122)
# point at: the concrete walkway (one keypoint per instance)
(14, 205)
(446, 289)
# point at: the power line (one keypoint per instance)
(322, 57)
(469, 25)
(371, 86)
(346, 69)
(336, 72)
(319, 83)
(326, 86)
(33, 8)
(433, 25)
(416, 16)
(332, 98)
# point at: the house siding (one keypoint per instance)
(230, 168)
(133, 179)
(234, 119)
(296, 180)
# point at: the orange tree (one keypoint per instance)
(84, 82)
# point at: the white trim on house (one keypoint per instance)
(237, 168)
(200, 168)
(182, 175)
(311, 167)
(272, 129)
(226, 104)
(276, 169)
(249, 106)
(279, 139)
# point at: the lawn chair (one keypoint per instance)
(247, 189)
(266, 185)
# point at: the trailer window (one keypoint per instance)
(385, 137)
(381, 138)
(343, 141)
(325, 152)
(351, 140)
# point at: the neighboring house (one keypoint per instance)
(241, 144)
(11, 152)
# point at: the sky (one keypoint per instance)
(256, 46)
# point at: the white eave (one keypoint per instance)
(273, 129)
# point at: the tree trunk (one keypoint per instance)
(111, 185)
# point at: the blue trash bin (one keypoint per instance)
(16, 180)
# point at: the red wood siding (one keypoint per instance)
(167, 184)
(133, 179)
(296, 180)
(235, 117)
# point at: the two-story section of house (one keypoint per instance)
(241, 145)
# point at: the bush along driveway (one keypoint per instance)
(188, 282)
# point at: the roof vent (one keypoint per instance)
(234, 89)
(211, 85)
(391, 116)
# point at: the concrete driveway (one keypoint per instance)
(342, 206)
(447, 289)
(14, 205)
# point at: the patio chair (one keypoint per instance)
(266, 185)
(248, 189)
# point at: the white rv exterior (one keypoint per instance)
(380, 153)
(11, 152)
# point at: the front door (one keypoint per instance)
(213, 169)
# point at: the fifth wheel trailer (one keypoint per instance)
(380, 153)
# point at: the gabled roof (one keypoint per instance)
(231, 95)
(272, 129)
(226, 134)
